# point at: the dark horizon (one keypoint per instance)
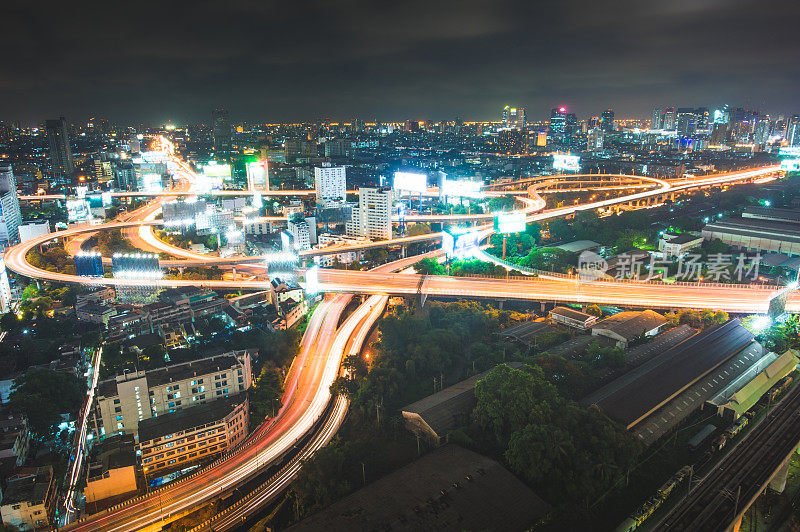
(417, 61)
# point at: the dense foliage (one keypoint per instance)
(44, 395)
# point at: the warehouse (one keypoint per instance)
(754, 234)
(634, 396)
(572, 318)
(625, 327)
(740, 395)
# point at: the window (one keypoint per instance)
(171, 405)
(118, 409)
(169, 444)
(119, 418)
(116, 401)
(119, 426)
(192, 446)
(16, 507)
(225, 390)
(239, 372)
(241, 380)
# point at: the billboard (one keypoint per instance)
(509, 222)
(461, 188)
(77, 210)
(89, 264)
(214, 169)
(790, 165)
(570, 163)
(411, 182)
(257, 175)
(456, 243)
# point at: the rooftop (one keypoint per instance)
(756, 228)
(572, 314)
(179, 372)
(113, 453)
(449, 488)
(635, 396)
(189, 418)
(631, 324)
(28, 484)
(579, 245)
(685, 238)
(786, 215)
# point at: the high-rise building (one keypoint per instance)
(330, 183)
(221, 128)
(594, 139)
(571, 130)
(61, 162)
(558, 121)
(763, 128)
(514, 117)
(5, 289)
(687, 122)
(792, 134)
(513, 142)
(703, 119)
(670, 122)
(10, 215)
(373, 216)
(607, 121)
(658, 118)
(303, 231)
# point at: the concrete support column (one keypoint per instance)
(543, 306)
(778, 482)
(233, 269)
(500, 303)
(402, 252)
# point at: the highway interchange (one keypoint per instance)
(306, 404)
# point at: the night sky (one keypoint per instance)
(300, 60)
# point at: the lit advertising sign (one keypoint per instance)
(790, 165)
(571, 163)
(509, 222)
(81, 192)
(215, 170)
(463, 189)
(414, 183)
(257, 175)
(458, 244)
(106, 197)
(77, 209)
(152, 183)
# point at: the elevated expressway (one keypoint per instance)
(307, 388)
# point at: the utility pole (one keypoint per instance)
(505, 238)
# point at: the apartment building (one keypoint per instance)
(126, 400)
(180, 440)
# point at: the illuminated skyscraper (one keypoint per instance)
(330, 183)
(687, 122)
(670, 122)
(658, 118)
(61, 161)
(558, 120)
(221, 127)
(607, 121)
(514, 117)
(10, 215)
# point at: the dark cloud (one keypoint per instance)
(269, 60)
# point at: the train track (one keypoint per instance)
(722, 496)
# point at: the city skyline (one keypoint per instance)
(416, 62)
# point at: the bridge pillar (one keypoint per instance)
(500, 303)
(778, 482)
(543, 306)
(233, 268)
(402, 252)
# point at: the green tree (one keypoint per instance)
(43, 395)
(429, 267)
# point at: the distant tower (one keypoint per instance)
(607, 121)
(658, 118)
(61, 160)
(221, 127)
(10, 214)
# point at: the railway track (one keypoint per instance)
(721, 497)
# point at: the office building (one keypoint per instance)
(33, 229)
(558, 122)
(61, 162)
(126, 400)
(513, 142)
(687, 122)
(514, 117)
(373, 216)
(303, 231)
(183, 439)
(595, 139)
(10, 215)
(670, 122)
(330, 183)
(607, 121)
(182, 212)
(658, 118)
(221, 129)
